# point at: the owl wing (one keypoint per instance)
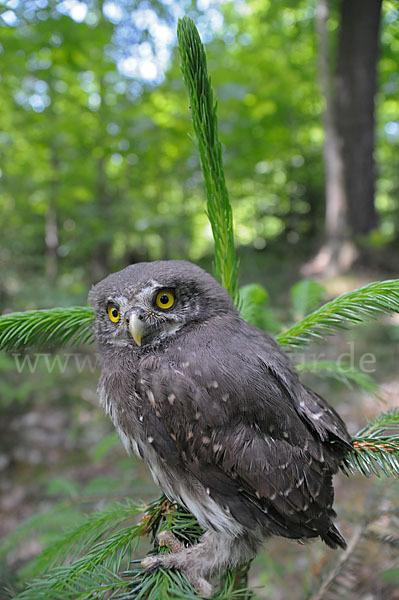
(232, 423)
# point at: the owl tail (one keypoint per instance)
(333, 538)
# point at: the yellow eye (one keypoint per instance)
(165, 300)
(113, 313)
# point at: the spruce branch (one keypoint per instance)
(93, 560)
(94, 528)
(357, 306)
(376, 447)
(55, 326)
(205, 123)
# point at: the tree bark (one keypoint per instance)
(356, 85)
(349, 131)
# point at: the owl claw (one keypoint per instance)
(203, 587)
(168, 540)
(151, 562)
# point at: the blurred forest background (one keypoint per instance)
(97, 171)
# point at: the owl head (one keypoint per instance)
(147, 302)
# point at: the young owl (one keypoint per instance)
(216, 411)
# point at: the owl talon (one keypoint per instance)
(203, 587)
(151, 562)
(168, 540)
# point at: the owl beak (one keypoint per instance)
(136, 327)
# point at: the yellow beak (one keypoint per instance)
(136, 328)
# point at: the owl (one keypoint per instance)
(214, 408)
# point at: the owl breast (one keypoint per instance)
(117, 415)
(176, 482)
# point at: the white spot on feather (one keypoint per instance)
(151, 398)
(317, 416)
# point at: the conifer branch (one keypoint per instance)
(53, 326)
(93, 559)
(203, 111)
(359, 305)
(376, 447)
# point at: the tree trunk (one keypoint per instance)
(358, 47)
(349, 131)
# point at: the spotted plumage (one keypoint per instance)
(214, 408)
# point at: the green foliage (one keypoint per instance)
(354, 307)
(306, 295)
(86, 561)
(42, 327)
(376, 447)
(254, 309)
(95, 547)
(76, 131)
(203, 110)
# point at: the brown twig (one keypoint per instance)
(375, 446)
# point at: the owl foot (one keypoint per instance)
(168, 540)
(171, 561)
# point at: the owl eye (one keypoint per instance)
(113, 313)
(165, 300)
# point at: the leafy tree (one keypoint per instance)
(118, 139)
